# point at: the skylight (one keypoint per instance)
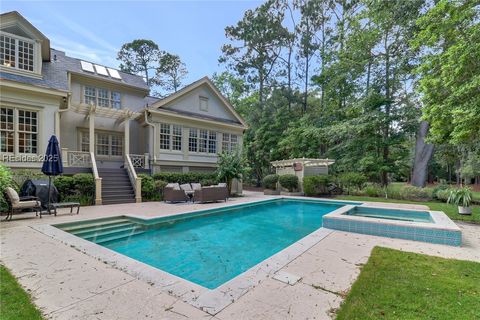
(101, 70)
(114, 73)
(87, 66)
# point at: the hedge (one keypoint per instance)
(316, 185)
(270, 181)
(289, 182)
(188, 177)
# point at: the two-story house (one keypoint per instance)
(104, 118)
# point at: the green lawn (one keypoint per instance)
(400, 285)
(449, 209)
(14, 302)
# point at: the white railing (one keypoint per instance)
(78, 159)
(134, 179)
(98, 180)
(139, 160)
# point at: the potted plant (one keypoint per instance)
(270, 184)
(462, 198)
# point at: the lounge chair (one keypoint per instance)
(173, 193)
(17, 203)
(211, 194)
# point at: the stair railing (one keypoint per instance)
(134, 179)
(98, 180)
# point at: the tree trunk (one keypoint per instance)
(423, 154)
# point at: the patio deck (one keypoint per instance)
(68, 284)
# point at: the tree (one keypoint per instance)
(139, 57)
(170, 72)
(257, 42)
(423, 154)
(233, 88)
(449, 38)
(229, 167)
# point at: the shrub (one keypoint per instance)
(21, 175)
(230, 167)
(84, 183)
(148, 187)
(439, 188)
(316, 185)
(208, 182)
(289, 182)
(374, 191)
(414, 193)
(65, 186)
(351, 180)
(187, 177)
(5, 181)
(270, 181)
(443, 195)
(160, 185)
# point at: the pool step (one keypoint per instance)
(124, 232)
(85, 232)
(117, 237)
(94, 224)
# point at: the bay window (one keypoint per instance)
(18, 130)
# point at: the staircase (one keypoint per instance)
(106, 231)
(116, 186)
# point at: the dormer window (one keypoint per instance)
(17, 53)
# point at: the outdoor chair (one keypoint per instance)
(17, 203)
(211, 194)
(173, 193)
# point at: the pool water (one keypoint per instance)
(391, 214)
(211, 249)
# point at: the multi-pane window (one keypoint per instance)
(85, 142)
(115, 100)
(176, 138)
(170, 137)
(229, 142)
(102, 97)
(27, 131)
(193, 140)
(103, 144)
(164, 136)
(212, 142)
(203, 141)
(116, 143)
(24, 136)
(7, 132)
(17, 53)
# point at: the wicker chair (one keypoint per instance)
(172, 195)
(211, 194)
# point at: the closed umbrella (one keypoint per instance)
(52, 164)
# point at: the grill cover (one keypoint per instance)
(39, 189)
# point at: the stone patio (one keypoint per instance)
(68, 284)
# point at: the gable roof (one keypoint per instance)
(160, 104)
(14, 18)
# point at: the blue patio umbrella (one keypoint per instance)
(52, 164)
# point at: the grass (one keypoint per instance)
(15, 303)
(401, 285)
(449, 209)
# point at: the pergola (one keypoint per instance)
(306, 162)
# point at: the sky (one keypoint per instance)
(95, 30)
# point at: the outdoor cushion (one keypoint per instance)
(174, 186)
(25, 204)
(222, 184)
(196, 186)
(13, 195)
(186, 187)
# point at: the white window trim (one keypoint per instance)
(16, 130)
(37, 59)
(208, 142)
(170, 138)
(84, 131)
(109, 97)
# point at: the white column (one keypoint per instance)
(91, 132)
(127, 136)
(57, 125)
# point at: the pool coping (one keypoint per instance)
(211, 301)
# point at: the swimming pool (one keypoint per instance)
(212, 247)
